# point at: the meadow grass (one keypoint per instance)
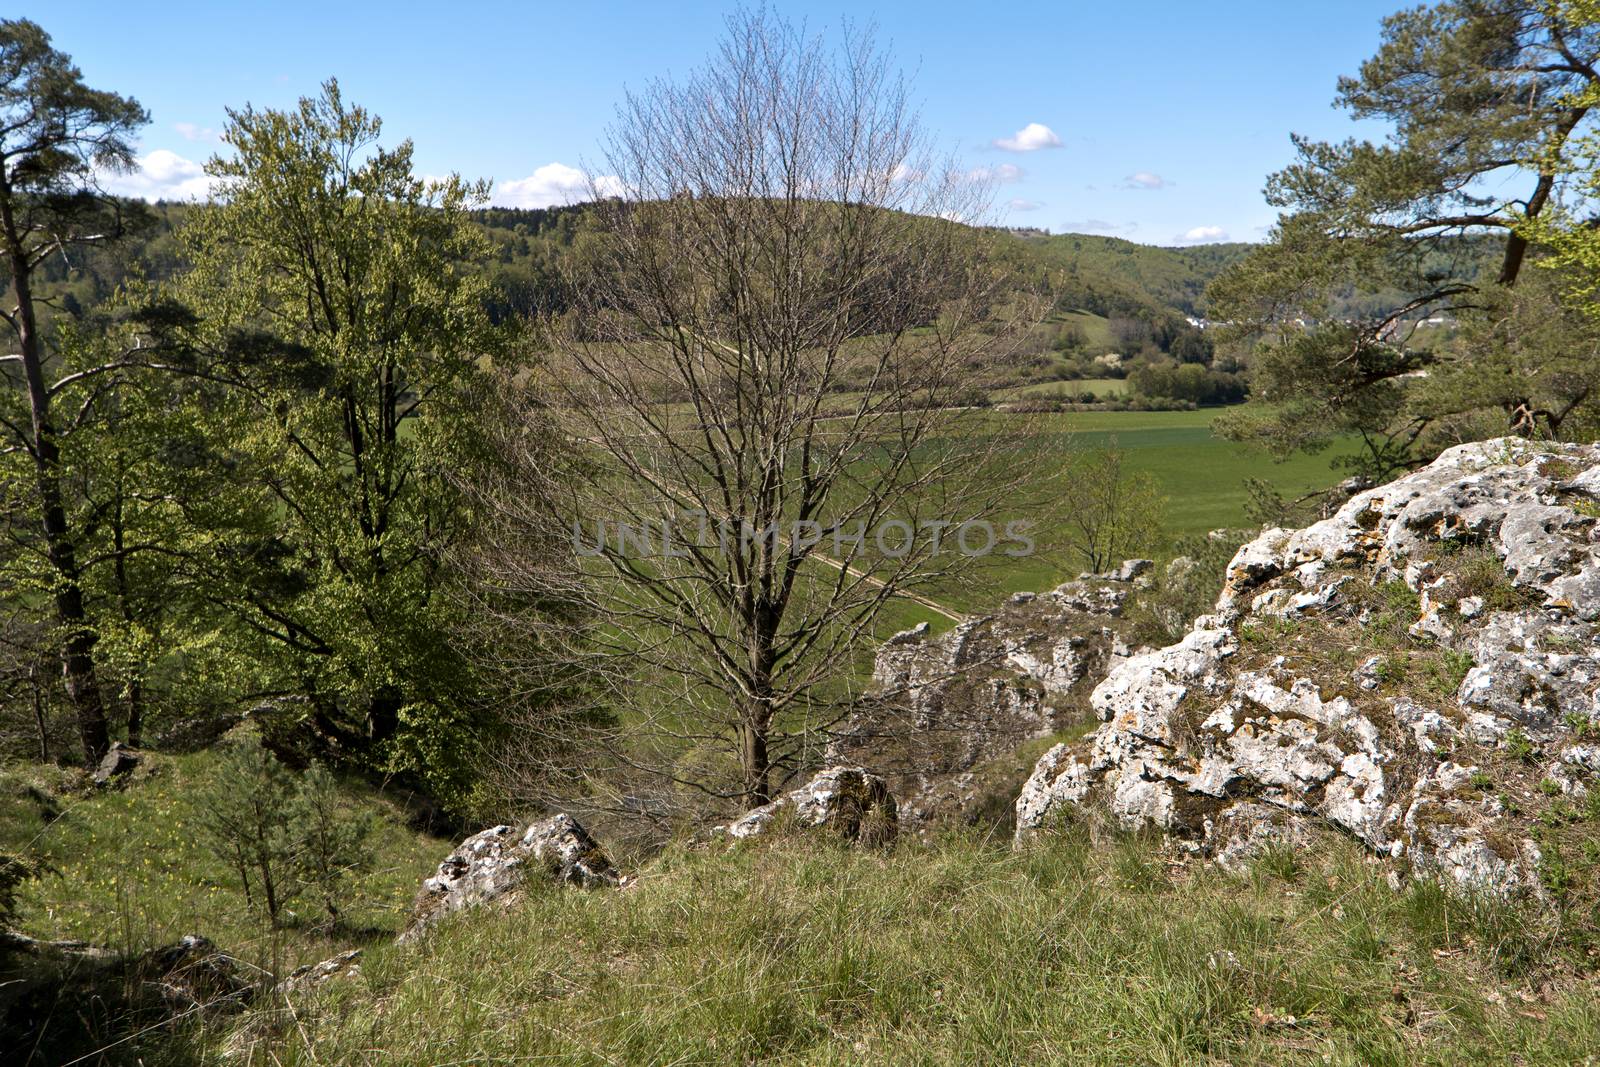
(130, 868)
(960, 951)
(1201, 476)
(1067, 389)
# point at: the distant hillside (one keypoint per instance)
(1101, 276)
(1110, 276)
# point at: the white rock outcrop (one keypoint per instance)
(946, 704)
(492, 866)
(1276, 715)
(851, 802)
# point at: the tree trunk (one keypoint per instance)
(77, 637)
(125, 598)
(755, 718)
(755, 763)
(38, 713)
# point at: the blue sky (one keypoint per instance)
(1169, 115)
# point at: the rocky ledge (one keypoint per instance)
(945, 705)
(1420, 671)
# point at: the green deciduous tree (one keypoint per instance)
(1109, 512)
(339, 310)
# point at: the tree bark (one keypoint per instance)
(77, 637)
(755, 758)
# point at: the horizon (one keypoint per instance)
(1089, 145)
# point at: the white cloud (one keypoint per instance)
(903, 173)
(1004, 174)
(1201, 235)
(1099, 226)
(551, 184)
(1031, 138)
(190, 132)
(1145, 180)
(161, 175)
(1024, 205)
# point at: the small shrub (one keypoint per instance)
(1391, 670)
(14, 870)
(1580, 724)
(1519, 746)
(1401, 599)
(331, 839)
(282, 837)
(242, 816)
(1448, 671)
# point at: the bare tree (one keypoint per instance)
(764, 374)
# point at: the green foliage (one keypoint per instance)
(1519, 746)
(1384, 250)
(282, 837)
(1185, 586)
(1188, 381)
(1448, 670)
(332, 837)
(1391, 670)
(131, 867)
(243, 817)
(56, 136)
(1581, 725)
(1111, 513)
(335, 303)
(14, 870)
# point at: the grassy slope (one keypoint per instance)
(1067, 389)
(129, 868)
(1163, 277)
(962, 952)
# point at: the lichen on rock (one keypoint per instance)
(851, 802)
(491, 867)
(1388, 673)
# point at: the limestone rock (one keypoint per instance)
(849, 801)
(118, 762)
(1254, 728)
(947, 705)
(492, 865)
(312, 975)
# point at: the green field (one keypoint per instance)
(1096, 329)
(1066, 389)
(1201, 475)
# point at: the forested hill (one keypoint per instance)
(1103, 276)
(1111, 276)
